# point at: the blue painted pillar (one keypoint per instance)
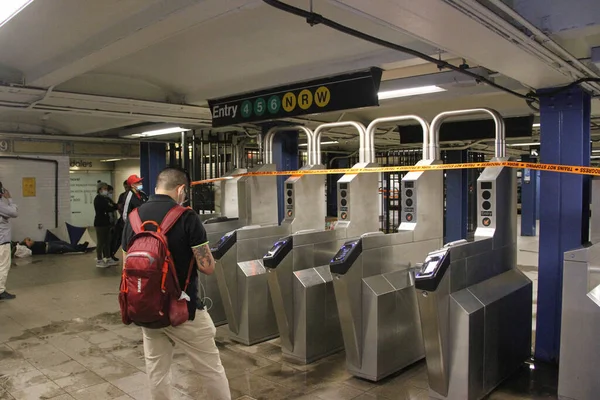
(153, 159)
(457, 187)
(285, 157)
(564, 207)
(528, 199)
(537, 194)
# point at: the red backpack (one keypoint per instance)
(150, 291)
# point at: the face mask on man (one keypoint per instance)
(104, 192)
(139, 188)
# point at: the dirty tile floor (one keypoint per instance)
(62, 339)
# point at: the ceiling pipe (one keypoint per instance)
(73, 138)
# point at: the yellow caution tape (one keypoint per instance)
(569, 169)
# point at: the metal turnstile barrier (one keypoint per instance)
(373, 281)
(244, 191)
(240, 272)
(475, 306)
(580, 322)
(299, 279)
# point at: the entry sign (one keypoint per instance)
(341, 92)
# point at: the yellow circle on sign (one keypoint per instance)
(305, 99)
(322, 96)
(289, 102)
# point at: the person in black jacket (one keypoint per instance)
(104, 208)
(135, 196)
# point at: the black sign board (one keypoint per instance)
(341, 92)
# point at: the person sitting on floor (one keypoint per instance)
(58, 247)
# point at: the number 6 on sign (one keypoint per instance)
(274, 104)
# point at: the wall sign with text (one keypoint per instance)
(341, 92)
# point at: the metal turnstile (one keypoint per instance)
(244, 191)
(580, 322)
(240, 272)
(298, 265)
(373, 282)
(475, 306)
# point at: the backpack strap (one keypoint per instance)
(135, 221)
(189, 275)
(171, 218)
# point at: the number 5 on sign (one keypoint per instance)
(260, 106)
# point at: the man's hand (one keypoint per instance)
(6, 193)
(204, 259)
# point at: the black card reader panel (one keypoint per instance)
(278, 252)
(223, 245)
(432, 272)
(345, 257)
(216, 220)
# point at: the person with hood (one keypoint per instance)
(104, 208)
(135, 196)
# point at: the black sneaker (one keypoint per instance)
(7, 296)
(115, 259)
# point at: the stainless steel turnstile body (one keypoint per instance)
(241, 276)
(301, 283)
(298, 265)
(580, 322)
(242, 191)
(475, 306)
(374, 284)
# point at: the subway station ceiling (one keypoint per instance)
(99, 68)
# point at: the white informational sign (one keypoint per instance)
(83, 192)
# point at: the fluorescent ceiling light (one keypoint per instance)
(306, 144)
(111, 160)
(523, 144)
(536, 125)
(158, 132)
(595, 151)
(10, 8)
(392, 94)
(594, 157)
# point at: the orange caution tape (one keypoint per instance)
(568, 169)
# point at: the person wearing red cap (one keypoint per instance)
(135, 196)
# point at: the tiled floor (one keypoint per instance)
(62, 339)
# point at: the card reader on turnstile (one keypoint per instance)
(345, 257)
(223, 245)
(278, 252)
(432, 271)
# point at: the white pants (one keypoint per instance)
(197, 338)
(4, 265)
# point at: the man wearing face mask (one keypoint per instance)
(187, 241)
(104, 208)
(135, 196)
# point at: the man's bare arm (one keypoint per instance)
(204, 259)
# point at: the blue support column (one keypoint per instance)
(564, 207)
(456, 197)
(285, 157)
(537, 194)
(528, 200)
(153, 159)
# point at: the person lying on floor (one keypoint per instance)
(58, 247)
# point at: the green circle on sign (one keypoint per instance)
(274, 104)
(246, 108)
(260, 106)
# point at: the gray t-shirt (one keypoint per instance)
(8, 210)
